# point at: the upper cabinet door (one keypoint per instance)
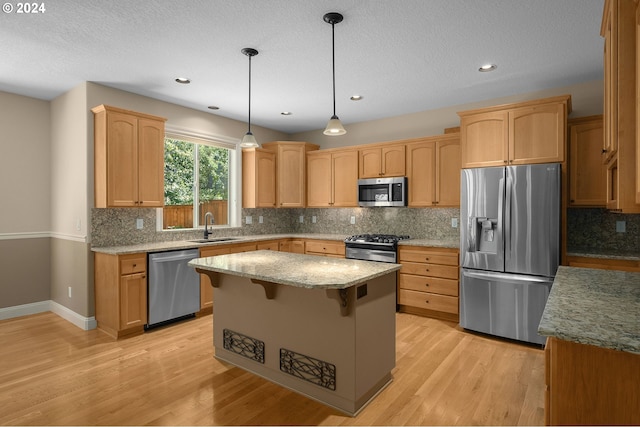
(345, 178)
(393, 161)
(421, 166)
(122, 160)
(537, 134)
(150, 163)
(370, 163)
(587, 174)
(319, 179)
(485, 139)
(448, 173)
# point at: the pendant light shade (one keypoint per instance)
(334, 127)
(248, 140)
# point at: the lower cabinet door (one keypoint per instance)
(133, 300)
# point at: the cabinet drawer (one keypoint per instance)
(268, 246)
(433, 270)
(428, 301)
(434, 285)
(133, 264)
(416, 255)
(331, 248)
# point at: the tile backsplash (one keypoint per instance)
(117, 226)
(587, 229)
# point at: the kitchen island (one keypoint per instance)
(323, 327)
(592, 357)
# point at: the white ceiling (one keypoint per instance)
(402, 56)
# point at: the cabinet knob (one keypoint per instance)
(506, 161)
(426, 284)
(426, 258)
(135, 265)
(604, 150)
(572, 201)
(427, 301)
(426, 269)
(144, 276)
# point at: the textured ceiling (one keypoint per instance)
(402, 56)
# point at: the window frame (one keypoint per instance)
(235, 173)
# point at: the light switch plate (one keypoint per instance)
(454, 222)
(139, 223)
(301, 219)
(260, 219)
(621, 226)
(314, 219)
(353, 219)
(248, 219)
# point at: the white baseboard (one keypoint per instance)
(84, 323)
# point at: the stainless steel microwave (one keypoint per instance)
(382, 191)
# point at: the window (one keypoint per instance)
(196, 181)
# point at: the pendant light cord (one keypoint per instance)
(250, 94)
(333, 59)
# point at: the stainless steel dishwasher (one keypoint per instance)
(174, 287)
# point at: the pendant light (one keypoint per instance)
(248, 140)
(334, 127)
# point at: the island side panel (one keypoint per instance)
(375, 336)
(310, 323)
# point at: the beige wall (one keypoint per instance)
(25, 215)
(586, 99)
(24, 165)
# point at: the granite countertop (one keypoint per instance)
(305, 271)
(185, 244)
(596, 307)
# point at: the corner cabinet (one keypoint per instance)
(291, 187)
(433, 171)
(121, 293)
(332, 178)
(515, 134)
(619, 153)
(128, 158)
(258, 178)
(587, 174)
(381, 161)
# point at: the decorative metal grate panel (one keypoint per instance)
(309, 369)
(243, 345)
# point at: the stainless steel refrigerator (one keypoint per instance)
(509, 248)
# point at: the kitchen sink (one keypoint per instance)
(214, 240)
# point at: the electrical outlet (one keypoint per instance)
(621, 226)
(260, 219)
(69, 290)
(454, 222)
(314, 219)
(139, 223)
(301, 219)
(353, 219)
(248, 219)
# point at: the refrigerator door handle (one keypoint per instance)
(501, 204)
(507, 214)
(504, 276)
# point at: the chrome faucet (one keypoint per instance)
(206, 224)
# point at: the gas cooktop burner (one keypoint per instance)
(375, 238)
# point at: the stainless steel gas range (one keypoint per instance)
(373, 247)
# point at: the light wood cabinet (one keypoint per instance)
(291, 187)
(603, 263)
(619, 29)
(295, 246)
(128, 158)
(381, 161)
(637, 101)
(328, 248)
(270, 245)
(515, 134)
(589, 385)
(258, 178)
(433, 171)
(332, 178)
(120, 283)
(428, 281)
(587, 174)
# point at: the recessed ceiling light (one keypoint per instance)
(213, 107)
(356, 97)
(487, 67)
(183, 80)
(286, 113)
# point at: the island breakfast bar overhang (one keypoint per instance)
(323, 327)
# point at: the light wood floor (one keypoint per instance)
(53, 373)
